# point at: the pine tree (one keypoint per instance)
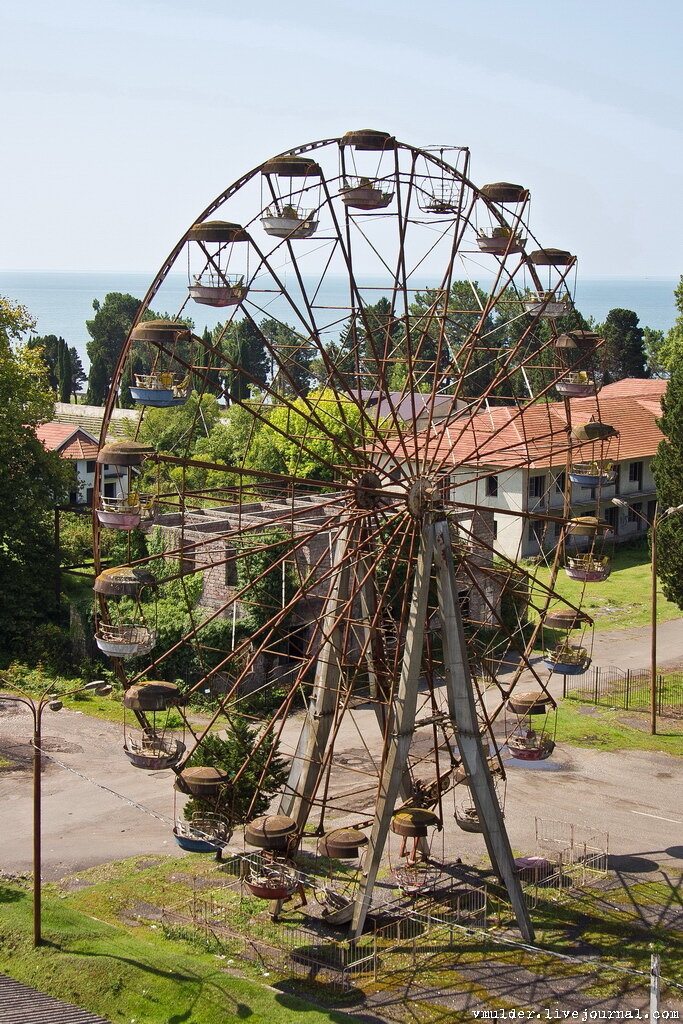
(64, 366)
(108, 330)
(623, 354)
(667, 468)
(78, 374)
(262, 772)
(291, 357)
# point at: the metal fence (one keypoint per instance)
(433, 922)
(627, 689)
(568, 857)
(405, 934)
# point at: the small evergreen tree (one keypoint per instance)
(263, 775)
(64, 373)
(78, 374)
(291, 372)
(667, 468)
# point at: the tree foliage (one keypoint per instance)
(309, 435)
(292, 357)
(242, 342)
(623, 353)
(64, 366)
(262, 772)
(664, 351)
(268, 579)
(108, 330)
(653, 344)
(177, 430)
(667, 468)
(32, 482)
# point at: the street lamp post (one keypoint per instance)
(37, 707)
(654, 524)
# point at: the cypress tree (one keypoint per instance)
(244, 348)
(667, 468)
(63, 372)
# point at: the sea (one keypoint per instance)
(62, 302)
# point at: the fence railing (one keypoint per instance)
(431, 924)
(630, 690)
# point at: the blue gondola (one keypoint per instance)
(567, 661)
(159, 390)
(592, 474)
(205, 833)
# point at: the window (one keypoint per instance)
(444, 487)
(464, 602)
(90, 466)
(110, 490)
(492, 486)
(617, 480)
(495, 528)
(88, 496)
(635, 474)
(611, 516)
(635, 512)
(651, 510)
(230, 568)
(560, 482)
(536, 528)
(536, 486)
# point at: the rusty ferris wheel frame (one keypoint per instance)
(402, 543)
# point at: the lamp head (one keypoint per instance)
(54, 703)
(619, 502)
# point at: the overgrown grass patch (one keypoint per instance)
(605, 729)
(125, 977)
(623, 599)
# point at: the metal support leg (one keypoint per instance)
(403, 728)
(307, 763)
(464, 714)
(378, 675)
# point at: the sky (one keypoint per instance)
(123, 119)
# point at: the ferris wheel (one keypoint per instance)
(337, 565)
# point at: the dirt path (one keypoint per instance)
(635, 796)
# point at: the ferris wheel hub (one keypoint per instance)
(367, 490)
(421, 497)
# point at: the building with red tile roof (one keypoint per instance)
(76, 444)
(514, 459)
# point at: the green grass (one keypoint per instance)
(623, 599)
(606, 729)
(143, 978)
(101, 956)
